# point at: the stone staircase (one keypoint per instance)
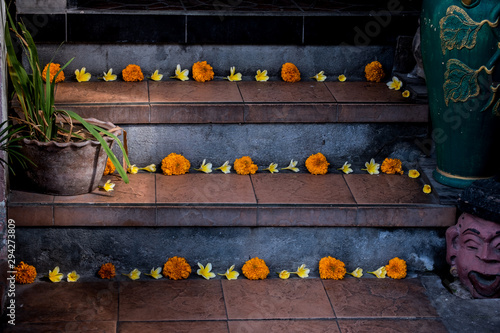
(286, 218)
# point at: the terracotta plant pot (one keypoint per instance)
(66, 168)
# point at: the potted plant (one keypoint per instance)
(69, 153)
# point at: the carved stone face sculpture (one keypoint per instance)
(473, 251)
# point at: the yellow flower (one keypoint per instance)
(413, 173)
(149, 168)
(406, 94)
(181, 74)
(73, 277)
(346, 168)
(292, 166)
(202, 71)
(156, 76)
(395, 84)
(358, 272)
(155, 273)
(108, 186)
(230, 274)
(232, 76)
(109, 76)
(320, 77)
(290, 72)
(391, 166)
(396, 268)
(302, 271)
(255, 269)
(132, 73)
(372, 167)
(205, 167)
(342, 78)
(132, 169)
(261, 76)
(175, 164)
(317, 164)
(226, 168)
(55, 276)
(273, 167)
(284, 274)
(81, 76)
(245, 166)
(380, 273)
(205, 271)
(331, 268)
(25, 273)
(134, 275)
(427, 189)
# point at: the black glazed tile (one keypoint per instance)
(361, 30)
(124, 28)
(261, 30)
(48, 28)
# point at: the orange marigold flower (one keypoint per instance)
(25, 273)
(132, 73)
(107, 271)
(396, 268)
(374, 72)
(176, 268)
(317, 164)
(331, 268)
(54, 68)
(175, 164)
(110, 167)
(202, 71)
(245, 166)
(255, 269)
(391, 166)
(290, 72)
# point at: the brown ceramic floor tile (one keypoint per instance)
(174, 326)
(66, 302)
(364, 92)
(302, 189)
(307, 216)
(171, 300)
(291, 113)
(64, 327)
(193, 216)
(276, 299)
(104, 216)
(279, 326)
(368, 298)
(201, 188)
(116, 114)
(101, 92)
(29, 197)
(388, 189)
(196, 113)
(383, 113)
(393, 216)
(140, 190)
(392, 326)
(194, 92)
(31, 216)
(285, 92)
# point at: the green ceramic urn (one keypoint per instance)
(461, 52)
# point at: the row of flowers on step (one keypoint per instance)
(316, 164)
(202, 72)
(177, 268)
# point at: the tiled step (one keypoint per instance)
(264, 200)
(245, 102)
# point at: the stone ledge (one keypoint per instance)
(280, 200)
(221, 102)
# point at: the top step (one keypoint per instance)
(226, 22)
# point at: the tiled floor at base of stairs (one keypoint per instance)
(195, 305)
